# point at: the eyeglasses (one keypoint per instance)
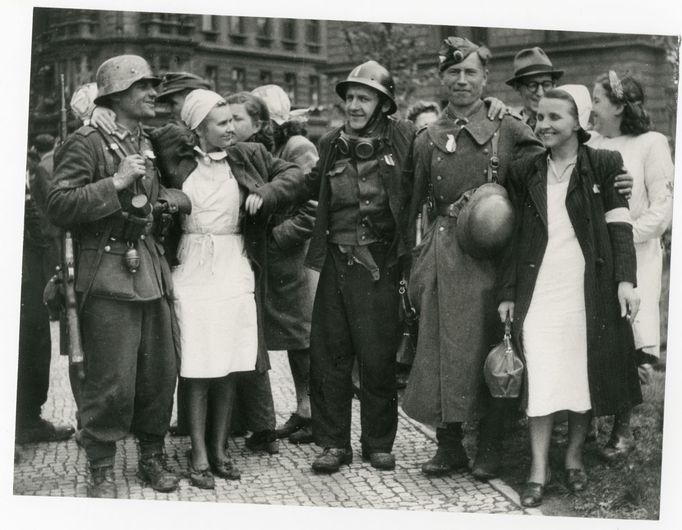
(533, 86)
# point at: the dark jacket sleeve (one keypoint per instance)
(74, 196)
(285, 183)
(297, 229)
(506, 277)
(622, 242)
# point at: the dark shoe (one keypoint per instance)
(576, 479)
(302, 436)
(487, 463)
(295, 423)
(225, 469)
(154, 471)
(331, 460)
(617, 447)
(263, 441)
(446, 460)
(102, 483)
(201, 478)
(382, 461)
(532, 493)
(43, 431)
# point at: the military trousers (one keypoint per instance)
(354, 317)
(130, 375)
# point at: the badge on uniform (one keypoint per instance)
(451, 144)
(389, 160)
(113, 146)
(595, 189)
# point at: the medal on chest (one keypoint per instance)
(451, 144)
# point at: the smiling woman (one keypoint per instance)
(573, 305)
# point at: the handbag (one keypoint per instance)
(503, 368)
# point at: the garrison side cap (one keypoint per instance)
(454, 50)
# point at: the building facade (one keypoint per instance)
(308, 57)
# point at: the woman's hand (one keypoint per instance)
(253, 204)
(623, 183)
(104, 119)
(504, 309)
(628, 300)
(497, 108)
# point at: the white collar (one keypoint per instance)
(215, 156)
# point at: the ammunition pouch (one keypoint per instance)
(135, 226)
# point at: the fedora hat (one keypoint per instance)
(532, 61)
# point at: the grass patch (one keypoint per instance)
(629, 489)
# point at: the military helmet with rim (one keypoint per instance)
(373, 75)
(119, 73)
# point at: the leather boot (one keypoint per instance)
(450, 455)
(102, 483)
(490, 433)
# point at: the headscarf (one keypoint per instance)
(198, 104)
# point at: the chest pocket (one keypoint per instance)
(343, 184)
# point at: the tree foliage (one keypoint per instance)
(397, 47)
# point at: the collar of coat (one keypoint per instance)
(479, 127)
(537, 180)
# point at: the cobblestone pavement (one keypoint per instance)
(59, 469)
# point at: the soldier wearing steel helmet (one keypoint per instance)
(358, 243)
(453, 288)
(106, 190)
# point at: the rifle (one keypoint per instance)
(70, 329)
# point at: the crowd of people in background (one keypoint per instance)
(277, 244)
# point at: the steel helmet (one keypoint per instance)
(373, 75)
(486, 223)
(119, 73)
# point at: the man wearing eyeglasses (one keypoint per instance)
(534, 75)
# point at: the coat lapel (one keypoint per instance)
(537, 187)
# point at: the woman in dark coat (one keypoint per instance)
(264, 117)
(568, 285)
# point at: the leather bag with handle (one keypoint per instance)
(503, 368)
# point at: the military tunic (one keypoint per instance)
(453, 291)
(126, 320)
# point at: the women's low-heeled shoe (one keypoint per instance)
(576, 479)
(225, 469)
(533, 492)
(201, 478)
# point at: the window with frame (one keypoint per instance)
(290, 85)
(313, 35)
(264, 32)
(238, 79)
(314, 90)
(265, 77)
(211, 75)
(237, 26)
(289, 33)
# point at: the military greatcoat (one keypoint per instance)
(454, 292)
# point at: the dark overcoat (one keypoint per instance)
(289, 300)
(454, 292)
(279, 183)
(609, 255)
